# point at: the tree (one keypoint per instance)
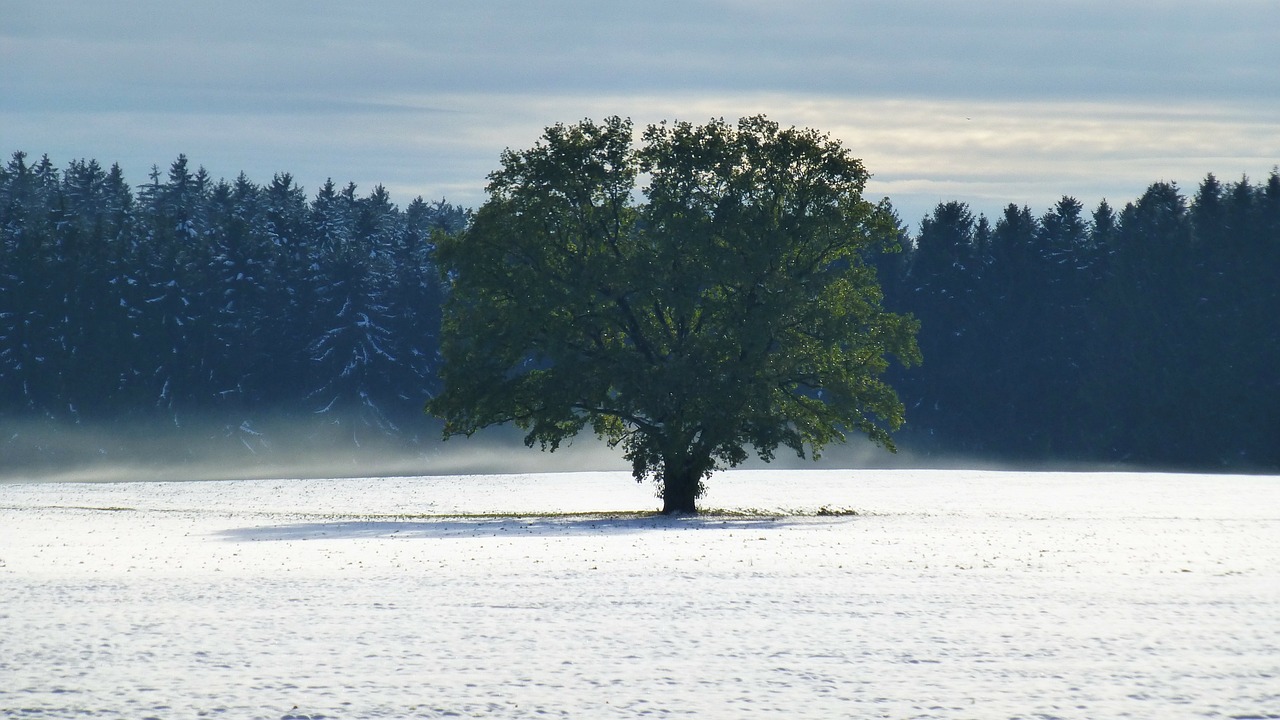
(27, 305)
(944, 270)
(352, 355)
(733, 306)
(1144, 345)
(417, 294)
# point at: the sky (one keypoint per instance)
(989, 102)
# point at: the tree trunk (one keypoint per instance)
(681, 484)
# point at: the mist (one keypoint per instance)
(209, 449)
(214, 449)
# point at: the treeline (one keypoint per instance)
(1147, 335)
(192, 298)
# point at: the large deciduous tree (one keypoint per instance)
(726, 304)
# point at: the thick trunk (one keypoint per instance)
(681, 484)
(679, 495)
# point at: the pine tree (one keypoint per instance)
(92, 325)
(175, 302)
(944, 268)
(1143, 346)
(416, 297)
(352, 354)
(1014, 348)
(28, 291)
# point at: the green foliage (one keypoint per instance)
(731, 307)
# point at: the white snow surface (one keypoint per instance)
(950, 594)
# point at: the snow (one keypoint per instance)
(951, 594)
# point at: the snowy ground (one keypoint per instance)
(949, 595)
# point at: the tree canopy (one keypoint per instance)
(726, 304)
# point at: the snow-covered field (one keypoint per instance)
(951, 594)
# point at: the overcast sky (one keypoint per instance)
(985, 101)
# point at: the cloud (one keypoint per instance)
(987, 49)
(921, 152)
(989, 101)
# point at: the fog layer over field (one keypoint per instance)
(949, 594)
(207, 450)
(204, 450)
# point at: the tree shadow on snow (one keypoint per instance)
(489, 526)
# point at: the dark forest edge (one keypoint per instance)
(248, 318)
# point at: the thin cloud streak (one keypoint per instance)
(920, 152)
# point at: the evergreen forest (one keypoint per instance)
(185, 307)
